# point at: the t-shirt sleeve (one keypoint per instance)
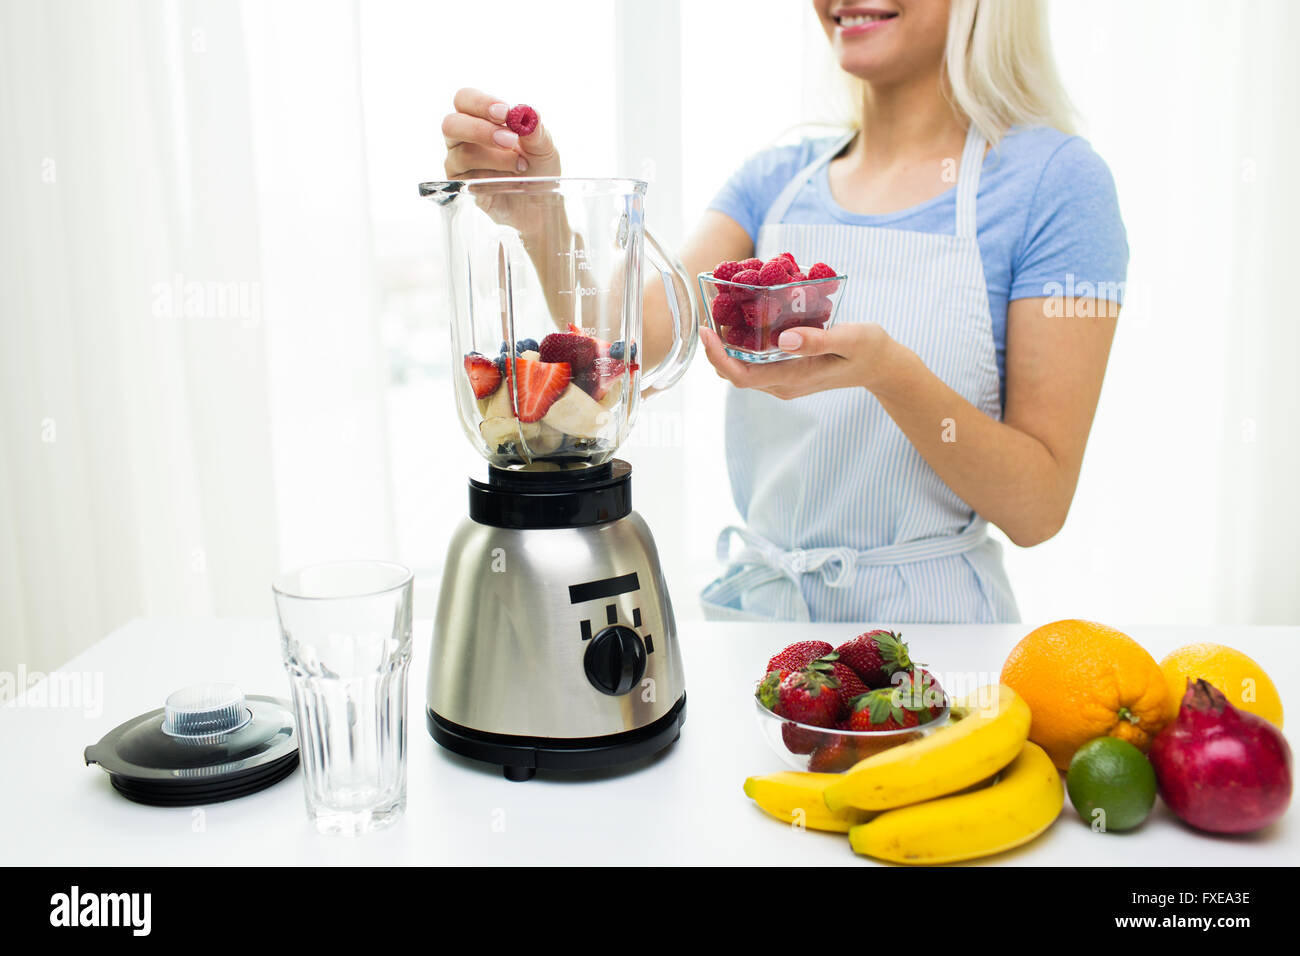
(752, 188)
(1074, 242)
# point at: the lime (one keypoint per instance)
(1111, 783)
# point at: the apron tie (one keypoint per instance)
(834, 564)
(763, 562)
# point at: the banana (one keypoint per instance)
(1024, 800)
(795, 797)
(988, 732)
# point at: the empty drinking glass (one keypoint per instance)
(345, 632)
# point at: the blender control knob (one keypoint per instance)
(615, 660)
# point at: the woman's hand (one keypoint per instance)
(480, 146)
(844, 356)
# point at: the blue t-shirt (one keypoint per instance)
(1047, 213)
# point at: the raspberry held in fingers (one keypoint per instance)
(522, 119)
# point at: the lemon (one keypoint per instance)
(1111, 784)
(1240, 679)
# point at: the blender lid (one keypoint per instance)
(206, 744)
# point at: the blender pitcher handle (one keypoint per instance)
(686, 319)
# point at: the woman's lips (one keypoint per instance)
(856, 22)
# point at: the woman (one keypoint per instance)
(960, 381)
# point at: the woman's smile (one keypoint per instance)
(859, 21)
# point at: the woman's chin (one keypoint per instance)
(871, 69)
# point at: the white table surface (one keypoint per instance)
(683, 807)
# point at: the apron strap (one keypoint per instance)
(776, 212)
(836, 565)
(968, 182)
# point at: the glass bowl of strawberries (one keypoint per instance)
(824, 708)
(751, 302)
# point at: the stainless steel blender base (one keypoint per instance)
(521, 757)
(554, 646)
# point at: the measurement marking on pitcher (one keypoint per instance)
(581, 257)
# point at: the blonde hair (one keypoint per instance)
(999, 68)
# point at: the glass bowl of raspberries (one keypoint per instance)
(750, 303)
(824, 708)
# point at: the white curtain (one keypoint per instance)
(192, 389)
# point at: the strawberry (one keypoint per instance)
(799, 740)
(767, 687)
(797, 656)
(535, 386)
(602, 347)
(484, 376)
(851, 685)
(834, 755)
(572, 347)
(809, 697)
(918, 689)
(876, 656)
(883, 709)
(596, 380)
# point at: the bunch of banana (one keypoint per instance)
(1020, 804)
(797, 798)
(971, 789)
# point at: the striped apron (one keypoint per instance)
(845, 521)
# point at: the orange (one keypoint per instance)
(1083, 680)
(1242, 681)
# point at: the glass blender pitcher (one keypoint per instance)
(554, 642)
(547, 272)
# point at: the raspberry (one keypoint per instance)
(578, 350)
(724, 309)
(821, 270)
(789, 257)
(522, 119)
(774, 273)
(738, 336)
(725, 270)
(747, 277)
(754, 264)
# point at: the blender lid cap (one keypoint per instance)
(209, 742)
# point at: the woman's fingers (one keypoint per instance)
(538, 143)
(470, 158)
(477, 103)
(732, 369)
(805, 341)
(460, 128)
(478, 124)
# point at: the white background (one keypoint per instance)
(171, 464)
